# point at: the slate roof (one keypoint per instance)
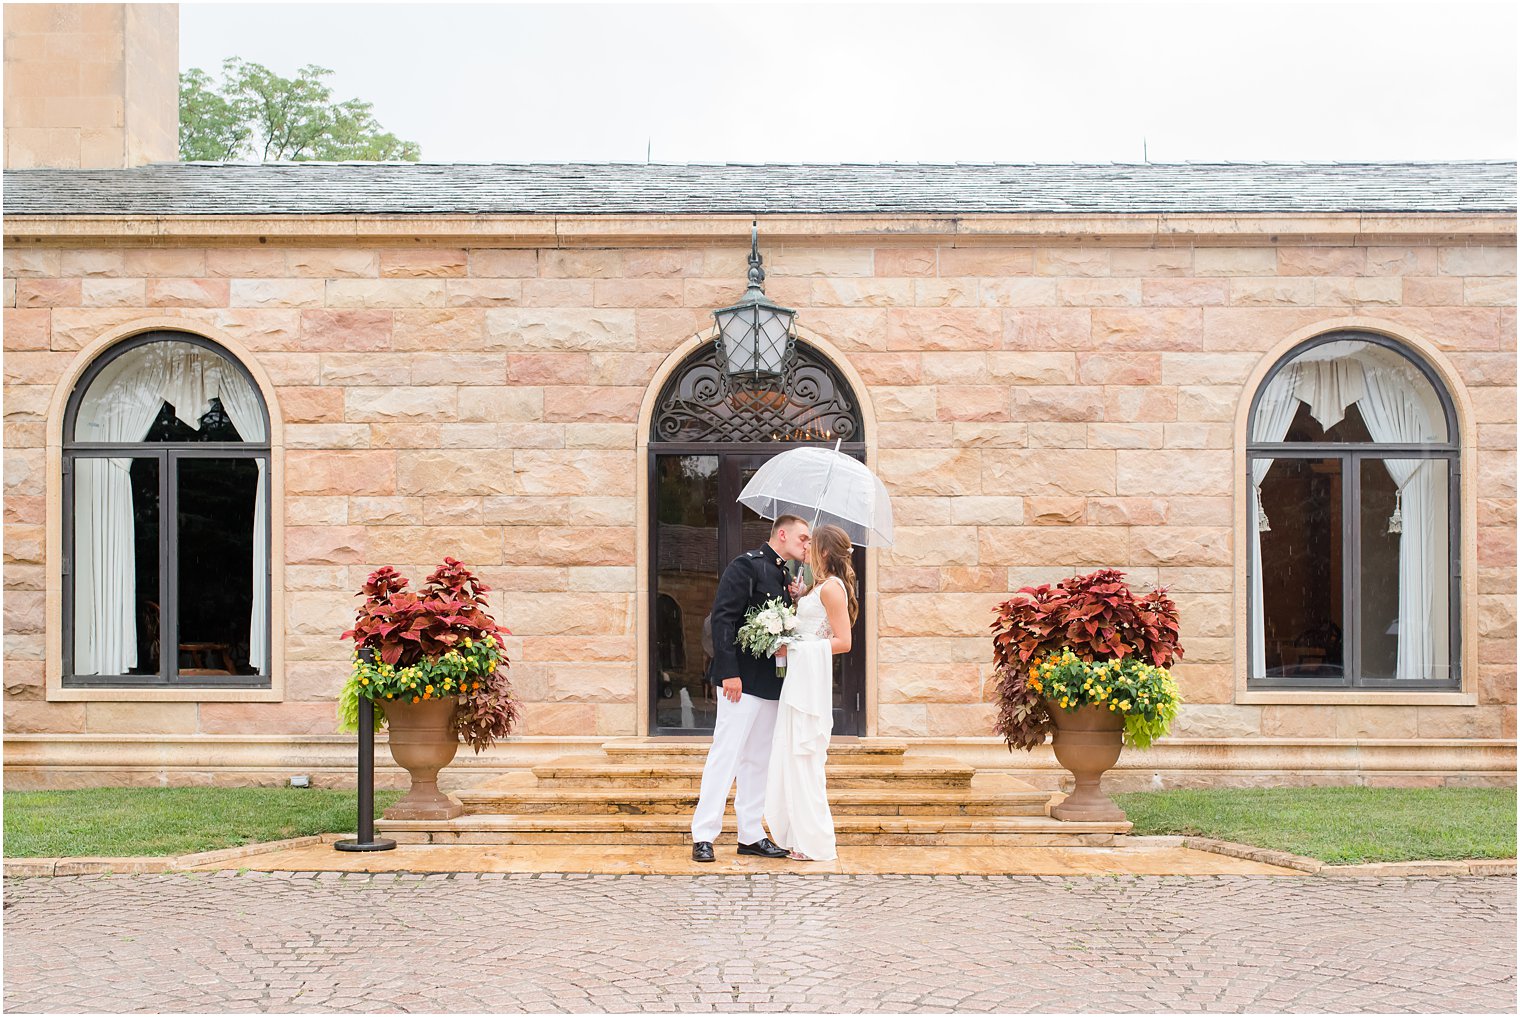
(308, 188)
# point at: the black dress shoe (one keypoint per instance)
(702, 851)
(764, 848)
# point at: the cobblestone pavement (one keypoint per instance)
(507, 943)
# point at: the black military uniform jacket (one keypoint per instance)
(749, 581)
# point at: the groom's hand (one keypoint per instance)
(796, 589)
(733, 688)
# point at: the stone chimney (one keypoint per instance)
(91, 86)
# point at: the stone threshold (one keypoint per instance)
(1178, 856)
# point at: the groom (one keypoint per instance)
(749, 689)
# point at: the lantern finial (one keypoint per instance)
(756, 272)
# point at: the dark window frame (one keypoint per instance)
(1352, 455)
(168, 455)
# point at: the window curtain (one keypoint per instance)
(243, 406)
(1330, 378)
(1398, 406)
(1274, 415)
(120, 406)
(1394, 413)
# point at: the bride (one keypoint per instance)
(796, 800)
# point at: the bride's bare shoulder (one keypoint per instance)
(831, 592)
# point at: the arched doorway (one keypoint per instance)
(704, 445)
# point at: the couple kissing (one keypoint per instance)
(772, 733)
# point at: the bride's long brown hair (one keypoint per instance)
(831, 549)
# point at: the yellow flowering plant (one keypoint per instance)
(457, 672)
(1144, 694)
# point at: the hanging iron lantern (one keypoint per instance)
(755, 341)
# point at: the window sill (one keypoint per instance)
(162, 695)
(1353, 697)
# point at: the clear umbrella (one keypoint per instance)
(823, 485)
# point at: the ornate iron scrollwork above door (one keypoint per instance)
(698, 404)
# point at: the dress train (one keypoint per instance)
(796, 796)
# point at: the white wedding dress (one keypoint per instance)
(796, 798)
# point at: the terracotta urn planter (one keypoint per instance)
(1087, 742)
(423, 740)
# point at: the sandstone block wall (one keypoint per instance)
(91, 86)
(1041, 409)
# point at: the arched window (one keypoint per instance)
(1354, 557)
(166, 519)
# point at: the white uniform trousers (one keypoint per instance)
(741, 747)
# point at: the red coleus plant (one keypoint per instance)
(1096, 616)
(401, 628)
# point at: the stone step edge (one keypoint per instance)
(622, 822)
(850, 758)
(550, 840)
(844, 795)
(612, 769)
(700, 747)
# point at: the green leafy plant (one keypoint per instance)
(1094, 617)
(440, 641)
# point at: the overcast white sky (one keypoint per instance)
(912, 83)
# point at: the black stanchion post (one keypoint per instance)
(366, 840)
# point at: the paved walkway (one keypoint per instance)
(1134, 857)
(512, 943)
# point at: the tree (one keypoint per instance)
(257, 114)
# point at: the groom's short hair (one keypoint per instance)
(786, 523)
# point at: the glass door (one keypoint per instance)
(686, 549)
(699, 527)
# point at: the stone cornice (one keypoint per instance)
(618, 231)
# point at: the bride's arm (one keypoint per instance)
(838, 608)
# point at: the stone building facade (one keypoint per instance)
(1054, 370)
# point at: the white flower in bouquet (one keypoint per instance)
(761, 634)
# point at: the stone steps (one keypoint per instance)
(643, 792)
(693, 751)
(988, 795)
(686, 772)
(675, 830)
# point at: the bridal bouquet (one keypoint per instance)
(766, 628)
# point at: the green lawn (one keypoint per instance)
(1339, 825)
(170, 821)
